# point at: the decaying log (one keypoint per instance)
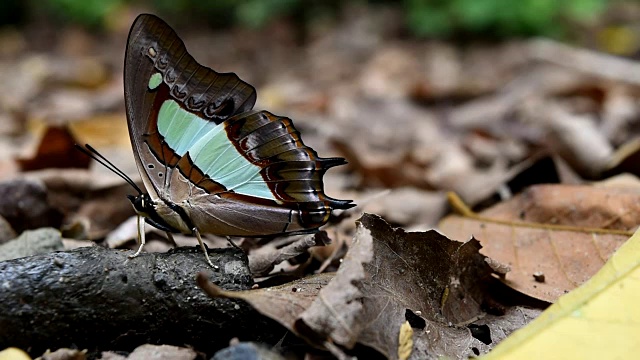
(99, 299)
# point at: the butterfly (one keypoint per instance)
(208, 162)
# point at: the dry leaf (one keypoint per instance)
(56, 150)
(282, 303)
(336, 315)
(599, 320)
(6, 231)
(565, 258)
(427, 273)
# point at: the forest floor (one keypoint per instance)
(523, 155)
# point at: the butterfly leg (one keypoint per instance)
(204, 249)
(171, 239)
(141, 238)
(232, 243)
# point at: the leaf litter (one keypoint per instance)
(415, 119)
(390, 276)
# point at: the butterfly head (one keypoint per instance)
(142, 204)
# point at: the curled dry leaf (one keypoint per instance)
(335, 315)
(264, 259)
(422, 272)
(122, 234)
(566, 232)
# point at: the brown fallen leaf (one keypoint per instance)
(282, 303)
(422, 273)
(565, 232)
(56, 150)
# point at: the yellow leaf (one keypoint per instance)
(13, 354)
(599, 320)
(405, 341)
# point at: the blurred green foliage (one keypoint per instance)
(502, 18)
(90, 13)
(424, 18)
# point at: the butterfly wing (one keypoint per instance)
(255, 176)
(159, 71)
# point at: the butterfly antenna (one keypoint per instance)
(95, 155)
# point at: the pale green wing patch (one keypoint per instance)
(155, 81)
(210, 150)
(216, 156)
(180, 128)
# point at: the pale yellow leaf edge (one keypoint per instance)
(624, 261)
